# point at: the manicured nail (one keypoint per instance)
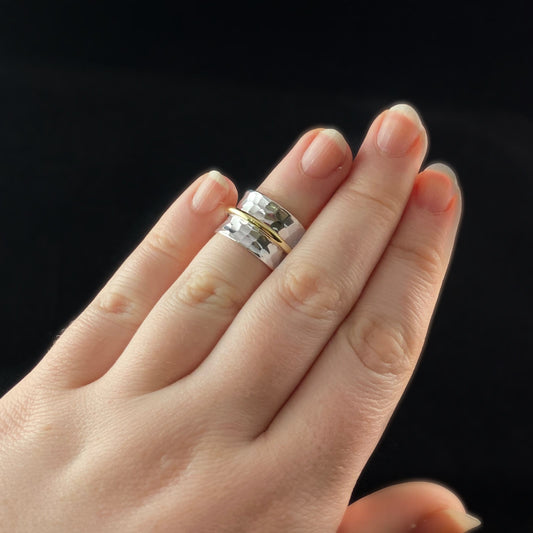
(210, 193)
(325, 154)
(447, 520)
(399, 130)
(436, 188)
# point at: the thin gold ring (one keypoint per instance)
(267, 230)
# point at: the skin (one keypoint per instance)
(201, 391)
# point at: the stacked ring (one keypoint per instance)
(263, 227)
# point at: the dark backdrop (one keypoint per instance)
(108, 110)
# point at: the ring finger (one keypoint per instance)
(191, 316)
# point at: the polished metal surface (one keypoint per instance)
(274, 215)
(253, 239)
(267, 230)
(248, 230)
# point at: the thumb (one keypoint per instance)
(417, 506)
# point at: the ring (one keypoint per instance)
(267, 230)
(271, 213)
(263, 227)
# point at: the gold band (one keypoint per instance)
(267, 230)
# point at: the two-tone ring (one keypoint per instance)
(263, 227)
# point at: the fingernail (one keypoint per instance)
(436, 188)
(325, 154)
(399, 130)
(466, 521)
(447, 520)
(210, 193)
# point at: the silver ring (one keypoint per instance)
(252, 237)
(272, 214)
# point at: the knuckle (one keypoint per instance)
(381, 205)
(424, 257)
(380, 346)
(309, 291)
(116, 305)
(161, 243)
(206, 288)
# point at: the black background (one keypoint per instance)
(107, 111)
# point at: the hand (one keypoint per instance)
(202, 392)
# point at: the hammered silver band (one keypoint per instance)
(250, 235)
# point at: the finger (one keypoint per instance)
(347, 398)
(94, 340)
(284, 326)
(416, 506)
(190, 318)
